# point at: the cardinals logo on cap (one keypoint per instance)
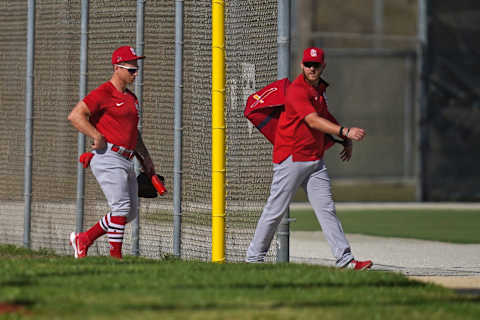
(313, 53)
(133, 51)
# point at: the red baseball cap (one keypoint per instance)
(123, 54)
(313, 55)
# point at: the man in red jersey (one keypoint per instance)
(300, 143)
(109, 115)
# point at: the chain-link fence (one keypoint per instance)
(373, 85)
(13, 23)
(251, 63)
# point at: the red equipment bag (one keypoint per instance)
(265, 106)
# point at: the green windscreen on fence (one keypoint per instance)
(451, 75)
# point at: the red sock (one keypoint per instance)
(95, 232)
(116, 229)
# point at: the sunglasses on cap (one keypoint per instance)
(316, 65)
(132, 70)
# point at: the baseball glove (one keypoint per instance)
(145, 186)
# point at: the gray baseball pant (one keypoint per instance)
(288, 176)
(118, 181)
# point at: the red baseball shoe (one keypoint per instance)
(359, 265)
(116, 250)
(80, 244)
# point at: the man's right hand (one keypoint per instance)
(356, 134)
(99, 143)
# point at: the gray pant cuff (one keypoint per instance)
(120, 213)
(255, 259)
(344, 261)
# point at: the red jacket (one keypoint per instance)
(293, 135)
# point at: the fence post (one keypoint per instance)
(378, 12)
(82, 92)
(283, 68)
(423, 70)
(139, 93)
(178, 133)
(29, 124)
(218, 131)
(407, 116)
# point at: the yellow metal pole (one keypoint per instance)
(218, 131)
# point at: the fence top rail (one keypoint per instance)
(363, 36)
(371, 52)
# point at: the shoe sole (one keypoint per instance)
(73, 244)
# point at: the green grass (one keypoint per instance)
(52, 287)
(457, 226)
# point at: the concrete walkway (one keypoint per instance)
(452, 265)
(456, 266)
(408, 256)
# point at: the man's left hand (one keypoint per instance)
(148, 166)
(346, 153)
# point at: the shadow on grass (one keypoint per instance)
(472, 292)
(33, 280)
(272, 305)
(236, 306)
(19, 303)
(17, 283)
(23, 302)
(310, 285)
